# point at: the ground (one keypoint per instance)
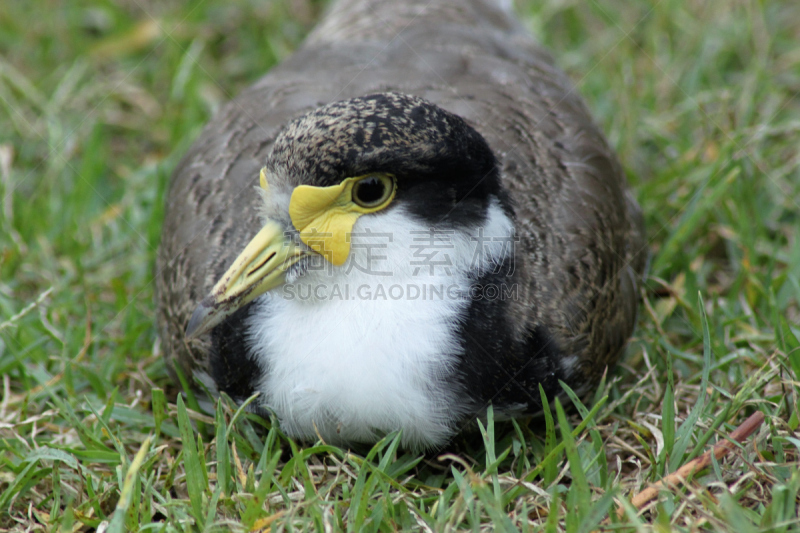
(98, 100)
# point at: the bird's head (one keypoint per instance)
(351, 161)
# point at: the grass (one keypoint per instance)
(98, 100)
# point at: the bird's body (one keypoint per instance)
(492, 254)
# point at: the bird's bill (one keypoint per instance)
(260, 267)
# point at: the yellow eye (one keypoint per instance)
(373, 190)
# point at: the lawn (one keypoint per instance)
(99, 100)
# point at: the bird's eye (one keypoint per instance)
(373, 190)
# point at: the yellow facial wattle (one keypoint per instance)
(325, 216)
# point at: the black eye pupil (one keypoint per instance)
(370, 190)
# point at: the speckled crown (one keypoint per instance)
(390, 132)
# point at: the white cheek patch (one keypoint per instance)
(369, 347)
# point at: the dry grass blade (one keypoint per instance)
(747, 428)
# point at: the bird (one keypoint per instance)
(410, 219)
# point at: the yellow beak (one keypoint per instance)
(260, 267)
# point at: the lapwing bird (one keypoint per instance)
(411, 218)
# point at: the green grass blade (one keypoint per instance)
(580, 486)
(118, 518)
(191, 462)
(686, 430)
